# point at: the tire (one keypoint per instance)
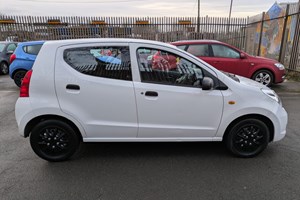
(264, 77)
(4, 69)
(54, 140)
(18, 77)
(248, 138)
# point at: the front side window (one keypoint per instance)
(199, 50)
(106, 62)
(224, 51)
(163, 67)
(32, 49)
(2, 46)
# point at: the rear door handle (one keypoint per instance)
(72, 87)
(151, 94)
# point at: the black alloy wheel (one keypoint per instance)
(248, 138)
(54, 140)
(18, 77)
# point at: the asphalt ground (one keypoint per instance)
(149, 170)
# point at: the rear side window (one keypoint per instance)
(11, 47)
(32, 49)
(182, 47)
(106, 62)
(199, 50)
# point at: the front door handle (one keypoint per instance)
(151, 94)
(72, 87)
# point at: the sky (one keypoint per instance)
(143, 8)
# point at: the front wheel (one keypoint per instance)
(54, 140)
(248, 138)
(264, 77)
(4, 68)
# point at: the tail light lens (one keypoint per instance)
(12, 58)
(24, 89)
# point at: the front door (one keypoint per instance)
(229, 60)
(171, 103)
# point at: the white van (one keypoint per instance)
(108, 90)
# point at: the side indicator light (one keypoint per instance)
(231, 102)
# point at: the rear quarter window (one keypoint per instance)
(32, 49)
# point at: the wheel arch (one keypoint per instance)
(19, 69)
(4, 61)
(263, 118)
(33, 122)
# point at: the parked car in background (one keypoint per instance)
(22, 60)
(71, 96)
(6, 50)
(230, 59)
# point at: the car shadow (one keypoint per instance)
(151, 149)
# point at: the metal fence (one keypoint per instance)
(165, 29)
(262, 35)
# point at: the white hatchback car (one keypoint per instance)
(108, 90)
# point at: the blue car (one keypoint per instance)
(22, 60)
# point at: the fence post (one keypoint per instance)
(295, 48)
(261, 33)
(284, 33)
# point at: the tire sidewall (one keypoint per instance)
(234, 130)
(17, 81)
(264, 71)
(2, 65)
(72, 137)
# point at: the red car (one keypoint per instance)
(230, 59)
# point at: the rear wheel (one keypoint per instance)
(4, 68)
(18, 77)
(264, 77)
(248, 138)
(54, 140)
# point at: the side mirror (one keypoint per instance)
(243, 56)
(207, 83)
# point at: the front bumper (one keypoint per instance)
(280, 124)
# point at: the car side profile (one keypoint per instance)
(6, 50)
(230, 59)
(71, 96)
(22, 59)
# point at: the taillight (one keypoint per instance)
(24, 89)
(12, 58)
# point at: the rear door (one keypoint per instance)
(97, 88)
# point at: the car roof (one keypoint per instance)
(99, 40)
(31, 43)
(196, 42)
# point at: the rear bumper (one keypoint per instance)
(23, 113)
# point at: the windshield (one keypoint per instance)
(233, 76)
(2, 47)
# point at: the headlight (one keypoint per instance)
(279, 66)
(271, 94)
